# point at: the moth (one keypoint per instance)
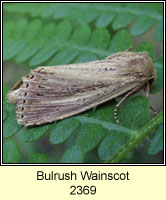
(53, 93)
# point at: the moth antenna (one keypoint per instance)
(116, 115)
(121, 101)
(146, 89)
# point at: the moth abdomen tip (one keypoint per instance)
(13, 96)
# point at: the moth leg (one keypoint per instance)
(146, 89)
(121, 101)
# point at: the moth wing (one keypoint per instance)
(48, 94)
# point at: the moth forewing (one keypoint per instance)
(48, 94)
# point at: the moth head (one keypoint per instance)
(150, 68)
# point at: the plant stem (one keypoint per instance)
(141, 134)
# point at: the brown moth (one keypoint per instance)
(53, 93)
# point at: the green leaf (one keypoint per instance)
(160, 60)
(38, 158)
(110, 145)
(156, 144)
(84, 12)
(44, 54)
(100, 39)
(39, 44)
(8, 29)
(109, 126)
(141, 25)
(106, 113)
(14, 44)
(89, 136)
(20, 28)
(158, 84)
(134, 112)
(28, 51)
(121, 41)
(5, 91)
(148, 47)
(34, 29)
(63, 130)
(104, 19)
(35, 132)
(81, 35)
(54, 39)
(139, 136)
(47, 45)
(63, 57)
(49, 31)
(32, 44)
(83, 15)
(10, 126)
(5, 114)
(11, 152)
(92, 157)
(153, 10)
(60, 12)
(11, 48)
(63, 31)
(7, 108)
(158, 32)
(40, 10)
(85, 56)
(122, 20)
(72, 155)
